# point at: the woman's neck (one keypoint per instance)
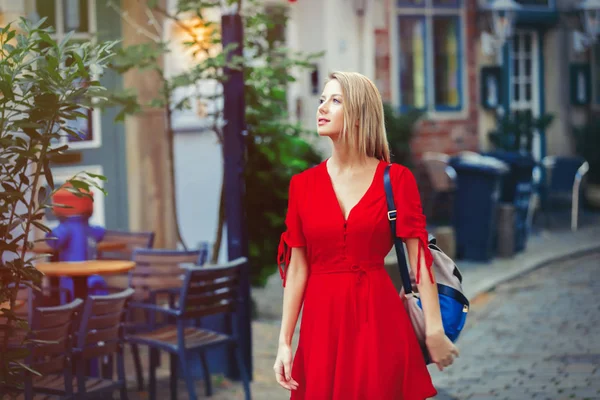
(345, 157)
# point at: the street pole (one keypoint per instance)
(234, 153)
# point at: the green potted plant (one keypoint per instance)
(587, 140)
(400, 130)
(43, 85)
(514, 131)
(513, 144)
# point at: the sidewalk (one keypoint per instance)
(542, 248)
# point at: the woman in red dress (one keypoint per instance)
(356, 339)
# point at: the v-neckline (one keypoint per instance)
(335, 196)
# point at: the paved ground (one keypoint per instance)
(534, 338)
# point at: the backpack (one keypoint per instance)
(454, 305)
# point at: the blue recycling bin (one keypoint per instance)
(516, 189)
(478, 185)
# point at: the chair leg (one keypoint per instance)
(207, 379)
(185, 371)
(243, 371)
(174, 380)
(575, 207)
(121, 372)
(28, 392)
(138, 366)
(153, 358)
(106, 367)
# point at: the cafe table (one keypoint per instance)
(80, 271)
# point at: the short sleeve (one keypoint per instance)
(293, 235)
(410, 221)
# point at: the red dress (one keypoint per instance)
(356, 340)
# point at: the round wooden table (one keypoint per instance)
(43, 248)
(80, 271)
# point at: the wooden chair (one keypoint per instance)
(52, 357)
(206, 291)
(442, 179)
(156, 279)
(159, 272)
(133, 240)
(29, 298)
(564, 177)
(100, 334)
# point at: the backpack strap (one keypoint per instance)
(398, 244)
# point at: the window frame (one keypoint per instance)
(531, 7)
(428, 11)
(95, 115)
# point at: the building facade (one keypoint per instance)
(425, 54)
(432, 55)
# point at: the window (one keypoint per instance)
(430, 54)
(77, 16)
(524, 84)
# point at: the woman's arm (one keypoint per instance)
(427, 290)
(296, 276)
(293, 293)
(441, 349)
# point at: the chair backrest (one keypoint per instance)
(437, 172)
(561, 172)
(159, 269)
(99, 332)
(22, 310)
(211, 290)
(53, 326)
(133, 240)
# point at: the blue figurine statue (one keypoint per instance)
(74, 239)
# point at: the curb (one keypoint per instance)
(490, 286)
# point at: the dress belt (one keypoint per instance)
(361, 269)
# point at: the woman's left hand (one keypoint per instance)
(441, 349)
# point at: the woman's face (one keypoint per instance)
(330, 114)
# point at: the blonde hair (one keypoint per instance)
(362, 103)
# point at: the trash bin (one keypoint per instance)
(475, 209)
(516, 189)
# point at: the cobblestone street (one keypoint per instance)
(535, 338)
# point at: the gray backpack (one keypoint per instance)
(454, 305)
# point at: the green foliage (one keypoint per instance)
(400, 130)
(43, 84)
(276, 149)
(515, 131)
(587, 139)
